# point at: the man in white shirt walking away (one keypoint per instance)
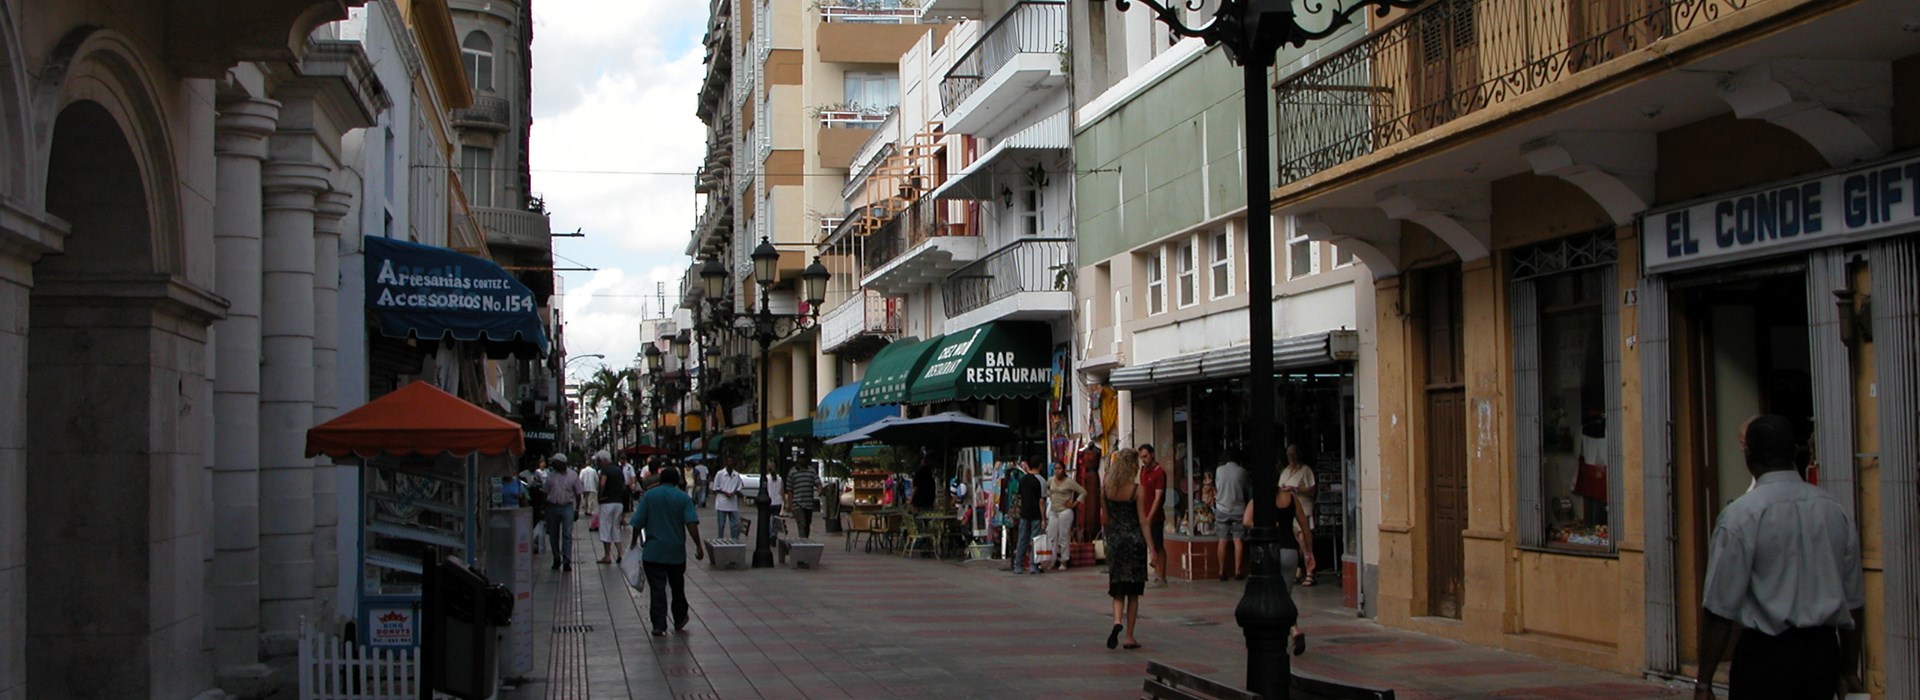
(1783, 568)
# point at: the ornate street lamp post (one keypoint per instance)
(765, 327)
(1252, 31)
(656, 365)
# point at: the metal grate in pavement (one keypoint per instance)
(572, 629)
(567, 664)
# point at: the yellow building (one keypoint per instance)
(1605, 233)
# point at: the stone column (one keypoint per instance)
(333, 208)
(240, 144)
(24, 237)
(286, 400)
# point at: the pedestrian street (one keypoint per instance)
(883, 626)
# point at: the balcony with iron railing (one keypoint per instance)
(1026, 279)
(915, 248)
(864, 317)
(1010, 68)
(488, 112)
(1452, 58)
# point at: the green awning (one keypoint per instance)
(992, 360)
(802, 428)
(893, 369)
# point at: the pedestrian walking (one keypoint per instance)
(1229, 502)
(1030, 494)
(665, 514)
(726, 501)
(700, 485)
(1295, 546)
(803, 493)
(1297, 477)
(564, 492)
(1153, 492)
(1063, 495)
(775, 488)
(612, 488)
(590, 505)
(1123, 526)
(1784, 565)
(536, 479)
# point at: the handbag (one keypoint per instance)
(630, 565)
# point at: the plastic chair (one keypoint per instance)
(915, 539)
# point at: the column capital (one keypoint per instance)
(331, 208)
(243, 126)
(293, 184)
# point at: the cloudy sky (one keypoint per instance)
(615, 144)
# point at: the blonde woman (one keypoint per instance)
(1128, 543)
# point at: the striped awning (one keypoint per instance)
(1293, 353)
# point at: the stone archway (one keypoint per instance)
(115, 493)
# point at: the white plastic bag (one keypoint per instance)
(630, 565)
(1042, 550)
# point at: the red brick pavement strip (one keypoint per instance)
(880, 626)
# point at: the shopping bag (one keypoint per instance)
(595, 525)
(630, 565)
(1042, 550)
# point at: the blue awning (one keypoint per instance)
(432, 293)
(840, 412)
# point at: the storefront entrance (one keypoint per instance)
(1745, 351)
(1442, 325)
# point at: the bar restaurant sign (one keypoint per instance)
(1858, 203)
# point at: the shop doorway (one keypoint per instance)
(1746, 348)
(1445, 404)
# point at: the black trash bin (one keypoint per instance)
(462, 649)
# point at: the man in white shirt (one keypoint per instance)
(590, 503)
(1229, 502)
(700, 485)
(727, 486)
(1784, 567)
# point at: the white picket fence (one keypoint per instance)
(332, 669)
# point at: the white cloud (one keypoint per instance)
(615, 86)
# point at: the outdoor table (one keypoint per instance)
(941, 526)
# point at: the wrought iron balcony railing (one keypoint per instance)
(1027, 265)
(1034, 26)
(869, 11)
(1451, 58)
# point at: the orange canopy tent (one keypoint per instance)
(418, 418)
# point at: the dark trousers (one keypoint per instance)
(803, 521)
(659, 577)
(560, 530)
(1795, 664)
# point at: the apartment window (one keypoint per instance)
(1156, 282)
(1303, 256)
(476, 52)
(1566, 324)
(1187, 273)
(1343, 257)
(872, 92)
(476, 170)
(1220, 263)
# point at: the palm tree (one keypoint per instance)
(607, 389)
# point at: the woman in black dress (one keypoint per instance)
(1290, 539)
(1128, 545)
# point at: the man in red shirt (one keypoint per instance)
(1153, 486)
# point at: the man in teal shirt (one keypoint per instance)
(667, 515)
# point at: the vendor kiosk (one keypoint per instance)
(431, 470)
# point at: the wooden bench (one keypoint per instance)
(1168, 683)
(724, 553)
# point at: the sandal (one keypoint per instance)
(1306, 581)
(1130, 645)
(1113, 638)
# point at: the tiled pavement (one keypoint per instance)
(880, 626)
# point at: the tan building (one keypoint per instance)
(1606, 233)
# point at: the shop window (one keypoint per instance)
(1303, 256)
(1220, 262)
(1156, 282)
(1567, 405)
(1187, 271)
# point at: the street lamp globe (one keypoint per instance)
(765, 262)
(816, 277)
(655, 358)
(714, 276)
(682, 346)
(712, 354)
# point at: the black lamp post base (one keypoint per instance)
(763, 559)
(1266, 615)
